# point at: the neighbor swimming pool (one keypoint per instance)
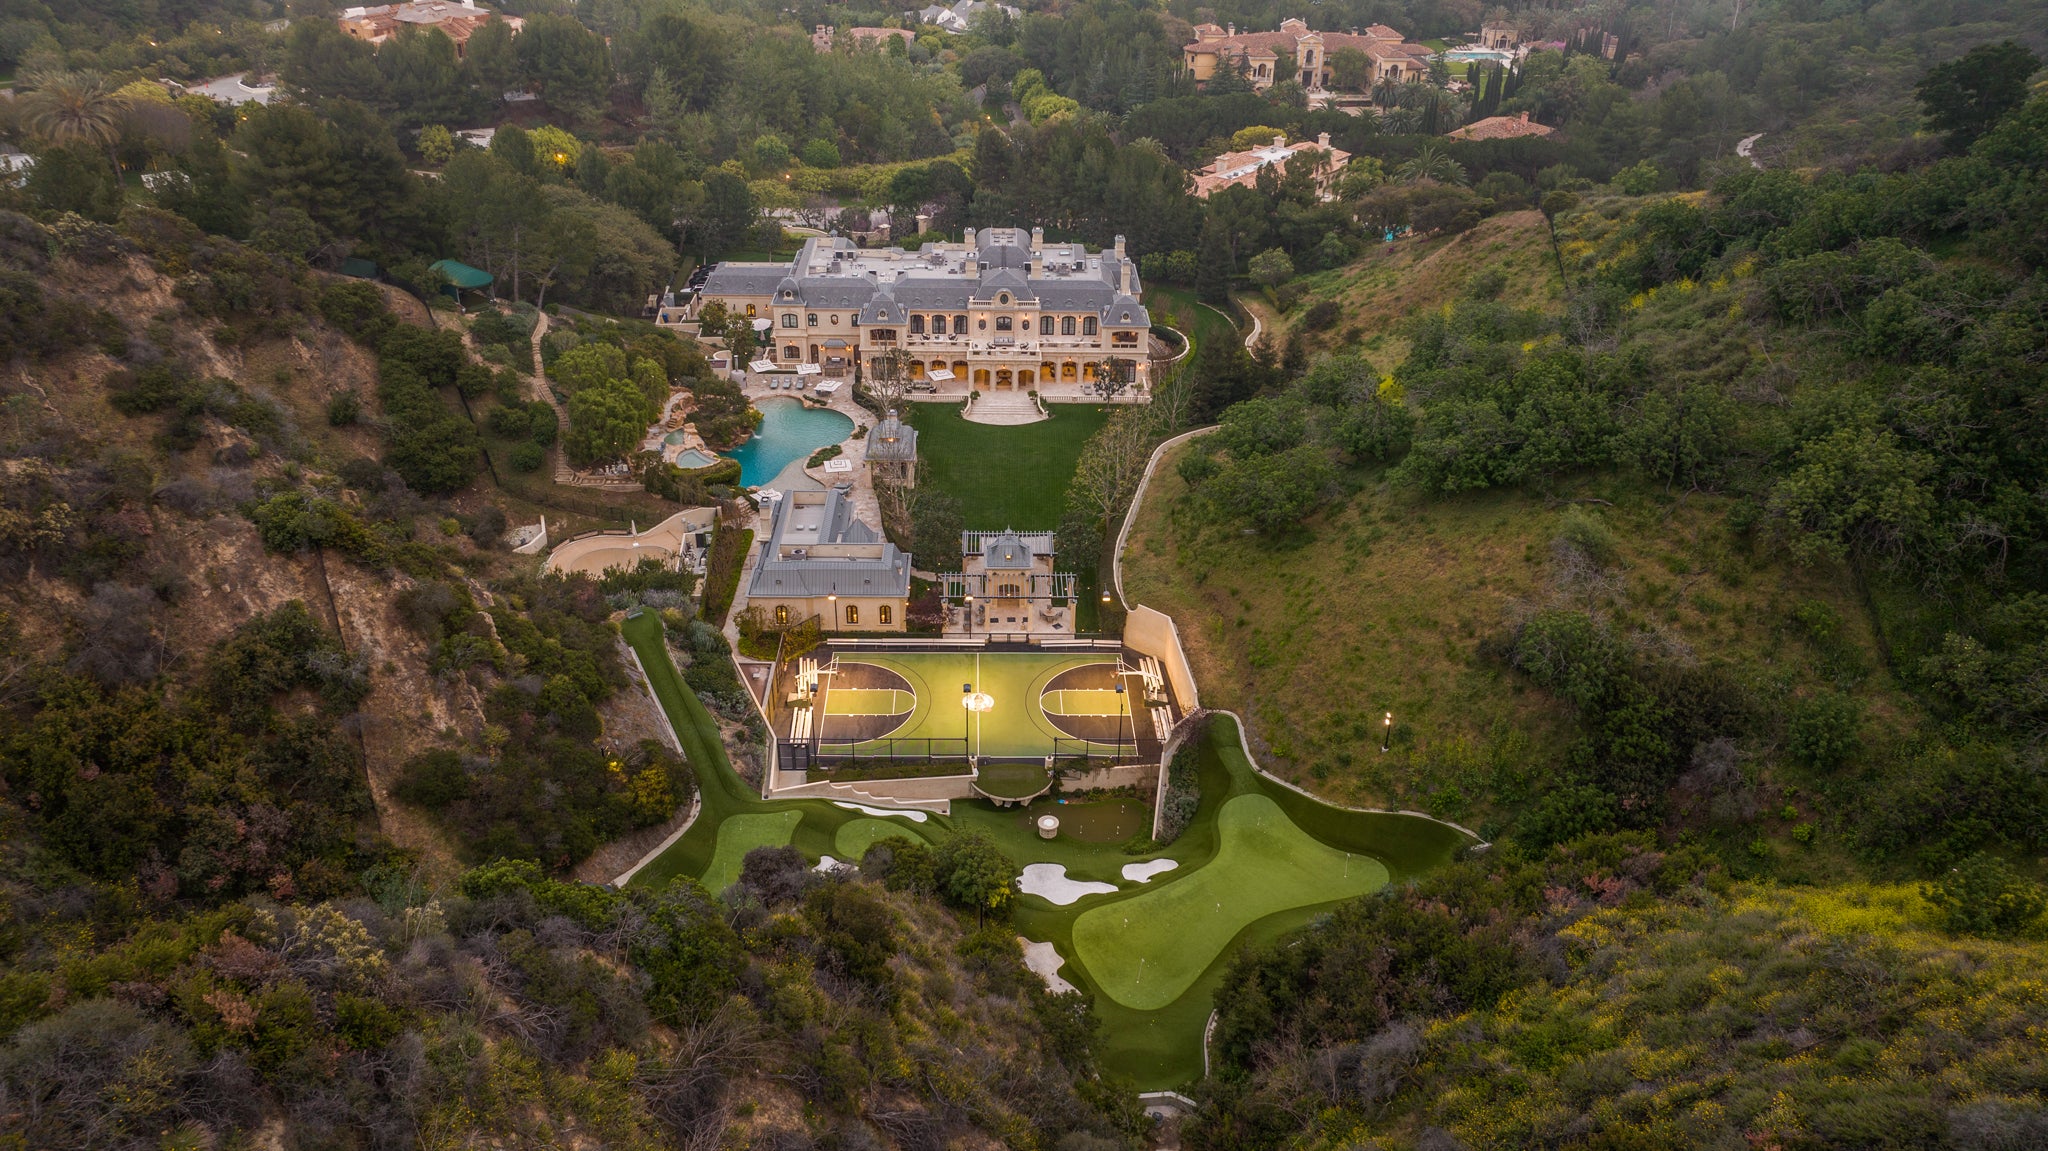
(1468, 55)
(789, 431)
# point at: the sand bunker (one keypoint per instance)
(1049, 881)
(1044, 961)
(830, 866)
(1141, 872)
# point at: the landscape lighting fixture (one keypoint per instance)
(1387, 740)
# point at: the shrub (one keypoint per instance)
(344, 409)
(1823, 730)
(1982, 895)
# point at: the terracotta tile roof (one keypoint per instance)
(1502, 128)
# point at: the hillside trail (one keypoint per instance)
(542, 392)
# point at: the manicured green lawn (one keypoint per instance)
(1004, 477)
(1147, 951)
(740, 834)
(1197, 320)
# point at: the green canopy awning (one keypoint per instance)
(462, 275)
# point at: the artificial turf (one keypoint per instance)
(1275, 857)
(1145, 952)
(1015, 726)
(1005, 476)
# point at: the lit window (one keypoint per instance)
(853, 613)
(884, 615)
(782, 615)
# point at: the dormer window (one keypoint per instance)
(1004, 298)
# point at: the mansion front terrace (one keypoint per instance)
(1001, 310)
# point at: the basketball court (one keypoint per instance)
(908, 703)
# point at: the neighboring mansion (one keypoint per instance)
(1001, 310)
(1299, 54)
(820, 561)
(459, 21)
(1242, 168)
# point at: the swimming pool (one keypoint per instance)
(789, 431)
(675, 437)
(690, 459)
(1477, 54)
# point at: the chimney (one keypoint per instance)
(1233, 30)
(1119, 247)
(1279, 141)
(924, 222)
(1123, 276)
(1037, 238)
(1323, 140)
(1525, 117)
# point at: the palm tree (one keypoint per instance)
(75, 107)
(1433, 164)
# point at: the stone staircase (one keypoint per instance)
(1004, 407)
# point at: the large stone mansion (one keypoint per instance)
(1298, 53)
(1002, 309)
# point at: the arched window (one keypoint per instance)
(917, 325)
(884, 615)
(959, 325)
(791, 353)
(782, 615)
(853, 613)
(1066, 325)
(938, 325)
(1088, 325)
(750, 310)
(1003, 323)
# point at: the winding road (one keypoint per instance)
(1746, 145)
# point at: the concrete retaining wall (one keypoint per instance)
(1152, 632)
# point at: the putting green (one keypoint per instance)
(866, 701)
(1145, 952)
(1015, 726)
(854, 839)
(1082, 701)
(739, 834)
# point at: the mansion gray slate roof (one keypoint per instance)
(778, 574)
(1007, 550)
(934, 281)
(892, 439)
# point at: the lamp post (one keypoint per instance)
(970, 620)
(833, 610)
(1387, 740)
(966, 717)
(1122, 709)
